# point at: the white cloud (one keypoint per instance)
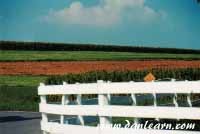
(106, 13)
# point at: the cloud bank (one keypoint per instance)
(106, 13)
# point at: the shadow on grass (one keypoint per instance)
(16, 118)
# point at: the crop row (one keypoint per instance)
(118, 76)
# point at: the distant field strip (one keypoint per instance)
(88, 56)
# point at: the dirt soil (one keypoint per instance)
(60, 68)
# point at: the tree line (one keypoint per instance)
(42, 46)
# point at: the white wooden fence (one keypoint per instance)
(104, 111)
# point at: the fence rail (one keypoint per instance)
(105, 111)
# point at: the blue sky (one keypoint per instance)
(158, 23)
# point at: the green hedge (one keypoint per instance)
(118, 76)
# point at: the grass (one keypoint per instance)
(19, 93)
(20, 80)
(88, 56)
(19, 98)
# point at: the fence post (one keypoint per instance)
(44, 115)
(103, 100)
(78, 99)
(155, 101)
(133, 97)
(175, 95)
(154, 98)
(155, 104)
(109, 102)
(189, 98)
(64, 101)
(109, 95)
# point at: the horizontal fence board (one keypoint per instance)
(56, 128)
(122, 87)
(191, 113)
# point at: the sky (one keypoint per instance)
(152, 23)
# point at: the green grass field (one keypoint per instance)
(88, 56)
(20, 80)
(19, 98)
(19, 93)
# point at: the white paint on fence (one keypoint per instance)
(122, 88)
(105, 111)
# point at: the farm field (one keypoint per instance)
(18, 98)
(21, 70)
(61, 68)
(23, 89)
(21, 80)
(13, 55)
